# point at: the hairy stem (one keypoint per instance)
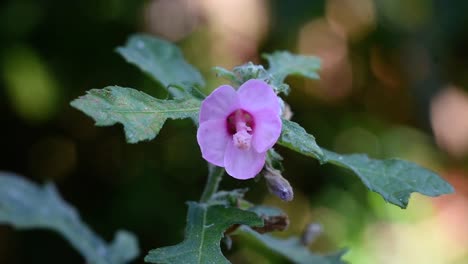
(215, 175)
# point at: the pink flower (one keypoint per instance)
(238, 127)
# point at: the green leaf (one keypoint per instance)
(283, 63)
(228, 198)
(245, 72)
(141, 115)
(394, 179)
(290, 248)
(266, 211)
(294, 137)
(228, 75)
(274, 159)
(162, 60)
(205, 228)
(26, 205)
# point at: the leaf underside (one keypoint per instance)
(290, 248)
(26, 205)
(162, 60)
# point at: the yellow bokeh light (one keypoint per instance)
(31, 87)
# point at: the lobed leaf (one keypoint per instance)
(205, 228)
(141, 115)
(290, 248)
(162, 60)
(281, 65)
(26, 205)
(393, 179)
(245, 72)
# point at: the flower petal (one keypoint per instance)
(243, 164)
(267, 129)
(255, 95)
(219, 104)
(213, 138)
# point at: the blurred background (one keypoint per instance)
(393, 84)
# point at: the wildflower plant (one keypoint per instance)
(239, 124)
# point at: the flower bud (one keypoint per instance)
(278, 185)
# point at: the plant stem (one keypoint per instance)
(215, 175)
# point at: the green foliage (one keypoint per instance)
(205, 228)
(230, 198)
(162, 60)
(26, 205)
(290, 248)
(274, 159)
(142, 115)
(394, 179)
(281, 65)
(262, 210)
(294, 137)
(243, 73)
(228, 75)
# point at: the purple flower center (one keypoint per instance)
(240, 124)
